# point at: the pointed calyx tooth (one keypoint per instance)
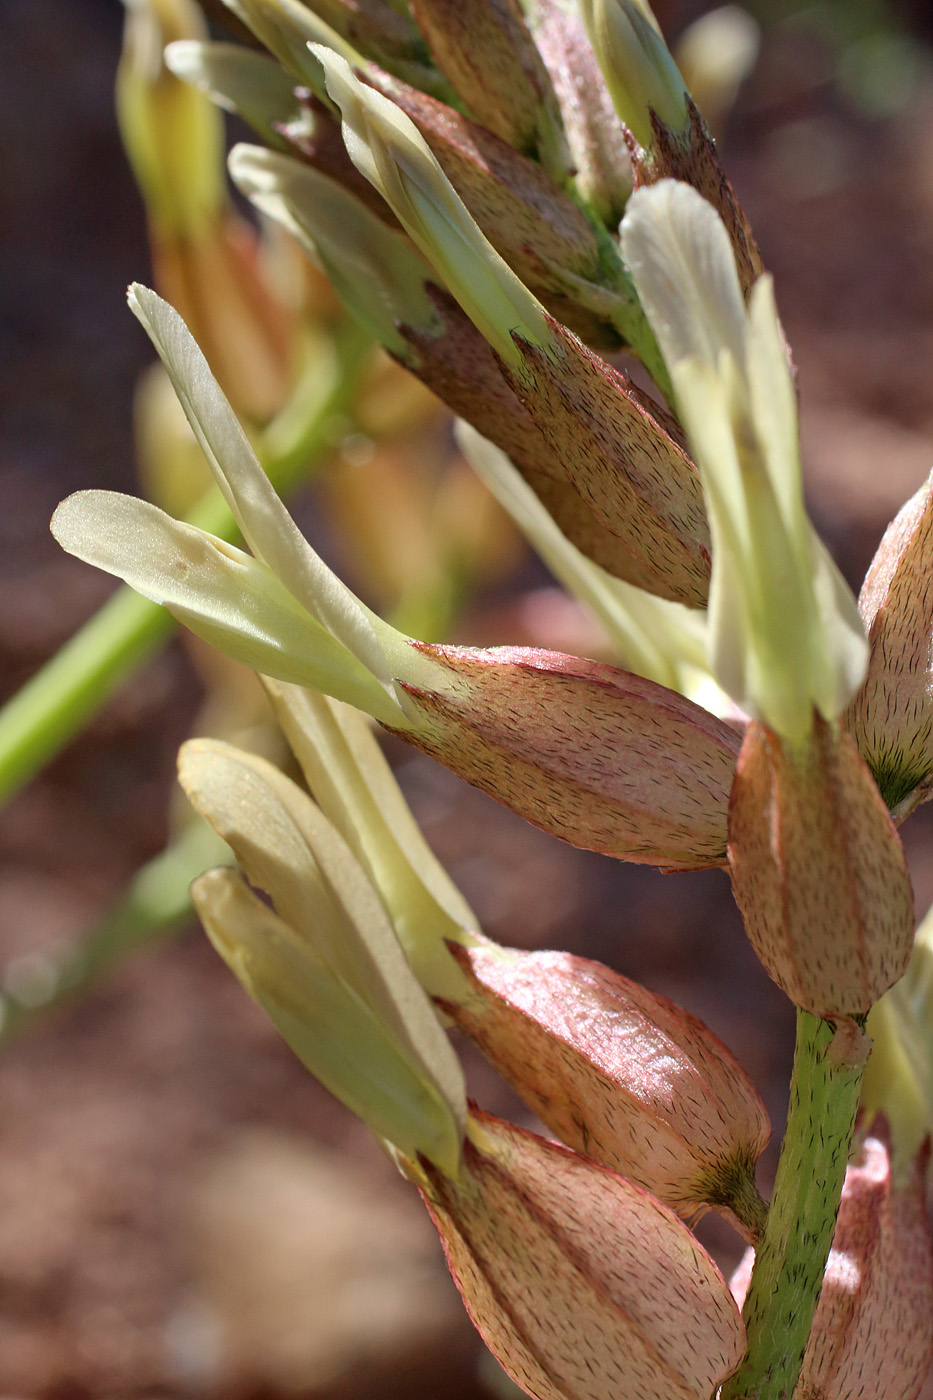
(597, 144)
(691, 156)
(620, 459)
(484, 49)
(873, 1329)
(580, 1283)
(599, 757)
(891, 718)
(818, 871)
(621, 1074)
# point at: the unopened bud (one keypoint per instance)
(596, 140)
(580, 1283)
(891, 718)
(873, 1329)
(603, 759)
(205, 258)
(640, 73)
(818, 871)
(614, 449)
(621, 1074)
(486, 52)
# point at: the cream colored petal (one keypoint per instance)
(651, 636)
(774, 403)
(841, 646)
(288, 848)
(266, 525)
(222, 594)
(376, 270)
(683, 266)
(354, 786)
(286, 27)
(386, 147)
(241, 80)
(335, 1034)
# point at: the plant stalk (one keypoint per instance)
(785, 1286)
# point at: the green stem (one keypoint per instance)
(69, 689)
(155, 905)
(791, 1260)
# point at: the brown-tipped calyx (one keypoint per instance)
(580, 1283)
(620, 1074)
(597, 756)
(691, 156)
(622, 460)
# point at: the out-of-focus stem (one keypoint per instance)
(155, 904)
(791, 1259)
(68, 690)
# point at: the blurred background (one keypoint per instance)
(183, 1212)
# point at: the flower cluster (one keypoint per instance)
(459, 171)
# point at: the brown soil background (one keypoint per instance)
(175, 1219)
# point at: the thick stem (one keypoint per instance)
(791, 1259)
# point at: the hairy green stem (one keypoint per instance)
(68, 690)
(791, 1259)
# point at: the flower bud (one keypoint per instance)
(818, 871)
(580, 1284)
(640, 73)
(601, 758)
(873, 1329)
(596, 140)
(484, 49)
(620, 1074)
(615, 450)
(173, 135)
(891, 718)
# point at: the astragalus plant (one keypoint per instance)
(502, 196)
